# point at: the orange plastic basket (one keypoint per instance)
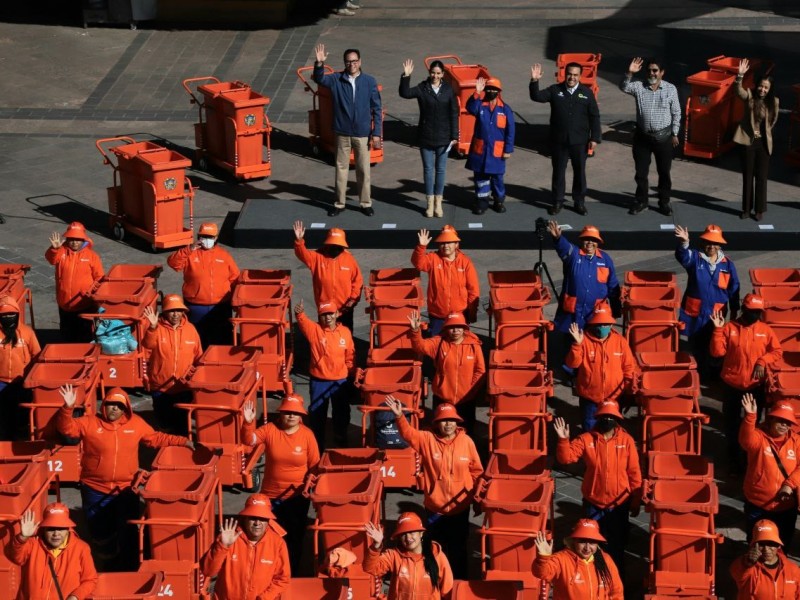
(180, 458)
(127, 586)
(346, 496)
(643, 303)
(124, 298)
(315, 588)
(518, 304)
(517, 390)
(670, 384)
(522, 337)
(775, 278)
(221, 384)
(265, 276)
(20, 483)
(392, 357)
(404, 382)
(181, 578)
(650, 279)
(644, 336)
(231, 355)
(498, 279)
(263, 301)
(351, 459)
(393, 303)
(518, 431)
(77, 353)
(394, 276)
(661, 465)
(665, 361)
(517, 464)
(126, 272)
(517, 504)
(781, 304)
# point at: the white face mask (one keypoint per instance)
(207, 243)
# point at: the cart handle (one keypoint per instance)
(189, 91)
(327, 70)
(106, 158)
(430, 59)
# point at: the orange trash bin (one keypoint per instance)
(128, 586)
(589, 65)
(12, 283)
(345, 496)
(487, 590)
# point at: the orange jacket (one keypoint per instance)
(410, 580)
(248, 571)
(73, 565)
(76, 273)
(336, 280)
(14, 360)
(452, 285)
(612, 466)
(172, 352)
(576, 579)
(459, 367)
(757, 582)
(744, 347)
(606, 368)
(111, 450)
(207, 274)
(288, 457)
(763, 478)
(332, 351)
(449, 467)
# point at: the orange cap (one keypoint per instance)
(325, 307)
(601, 315)
(455, 320)
(8, 305)
(587, 529)
(336, 237)
(408, 522)
(117, 394)
(56, 516)
(448, 234)
(753, 302)
(446, 412)
(783, 411)
(208, 229)
(257, 506)
(173, 302)
(76, 231)
(765, 531)
(494, 82)
(713, 234)
(608, 407)
(293, 403)
(590, 231)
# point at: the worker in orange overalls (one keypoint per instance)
(581, 570)
(772, 478)
(612, 484)
(78, 267)
(335, 274)
(605, 363)
(748, 346)
(452, 278)
(109, 461)
(18, 348)
(764, 572)
(56, 563)
(419, 567)
(290, 454)
(174, 346)
(458, 362)
(331, 366)
(209, 273)
(250, 561)
(450, 468)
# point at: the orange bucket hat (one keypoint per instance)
(293, 403)
(336, 237)
(608, 407)
(713, 234)
(76, 231)
(590, 231)
(173, 302)
(601, 315)
(765, 531)
(455, 320)
(408, 522)
(56, 516)
(446, 412)
(448, 234)
(257, 506)
(783, 411)
(587, 529)
(494, 82)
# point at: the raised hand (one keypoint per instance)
(636, 65)
(228, 534)
(299, 230)
(744, 66)
(759, 372)
(576, 333)
(753, 554)
(67, 392)
(28, 525)
(408, 67)
(480, 84)
(749, 404)
(319, 53)
(554, 229)
(151, 316)
(299, 308)
(55, 240)
(561, 428)
(536, 72)
(424, 237)
(717, 319)
(682, 233)
(543, 546)
(374, 533)
(394, 405)
(414, 320)
(249, 411)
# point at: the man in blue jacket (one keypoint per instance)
(357, 121)
(574, 131)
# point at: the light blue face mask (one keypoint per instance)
(601, 331)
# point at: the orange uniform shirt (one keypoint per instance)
(14, 360)
(74, 567)
(744, 348)
(248, 571)
(606, 368)
(449, 467)
(208, 275)
(460, 368)
(576, 579)
(336, 280)
(452, 285)
(757, 582)
(76, 273)
(288, 457)
(612, 466)
(410, 580)
(172, 352)
(332, 351)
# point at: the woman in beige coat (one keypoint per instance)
(755, 135)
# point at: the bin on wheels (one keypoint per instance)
(148, 192)
(233, 127)
(589, 64)
(12, 283)
(320, 119)
(128, 586)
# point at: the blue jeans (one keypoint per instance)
(588, 409)
(434, 159)
(322, 393)
(113, 540)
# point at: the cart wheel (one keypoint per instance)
(119, 231)
(202, 163)
(134, 27)
(256, 487)
(315, 149)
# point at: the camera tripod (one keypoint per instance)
(540, 266)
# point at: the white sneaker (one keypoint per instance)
(352, 6)
(344, 12)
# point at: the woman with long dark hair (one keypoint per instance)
(754, 134)
(419, 568)
(581, 571)
(438, 128)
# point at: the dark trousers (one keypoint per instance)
(171, 419)
(212, 323)
(11, 416)
(114, 541)
(346, 319)
(321, 394)
(755, 172)
(575, 154)
(614, 526)
(785, 520)
(732, 416)
(292, 515)
(452, 533)
(588, 410)
(489, 185)
(708, 367)
(74, 329)
(643, 147)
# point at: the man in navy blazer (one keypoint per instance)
(357, 122)
(574, 131)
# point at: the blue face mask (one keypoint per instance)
(601, 331)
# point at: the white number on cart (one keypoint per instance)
(55, 466)
(112, 373)
(350, 593)
(390, 472)
(166, 590)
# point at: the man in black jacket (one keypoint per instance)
(574, 131)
